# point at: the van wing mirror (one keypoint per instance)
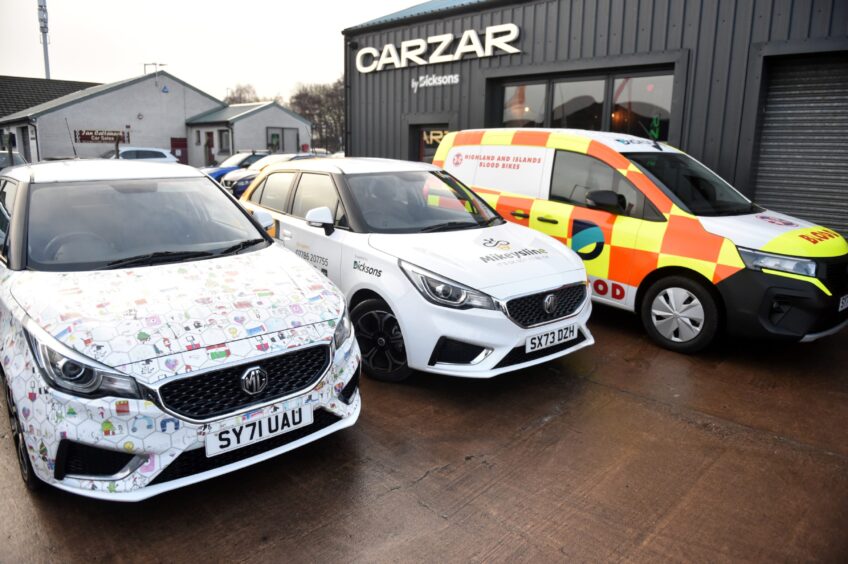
(320, 217)
(605, 200)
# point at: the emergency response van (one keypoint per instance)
(435, 279)
(661, 234)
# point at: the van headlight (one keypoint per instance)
(444, 292)
(343, 330)
(758, 260)
(70, 373)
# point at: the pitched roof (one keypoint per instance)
(235, 112)
(19, 92)
(90, 92)
(418, 11)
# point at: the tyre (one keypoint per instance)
(380, 341)
(31, 481)
(680, 314)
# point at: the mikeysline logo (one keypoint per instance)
(511, 255)
(496, 40)
(430, 80)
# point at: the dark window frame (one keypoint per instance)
(339, 201)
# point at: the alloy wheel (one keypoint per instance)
(381, 341)
(677, 314)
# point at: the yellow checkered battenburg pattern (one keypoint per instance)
(632, 248)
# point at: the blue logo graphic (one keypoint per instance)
(587, 239)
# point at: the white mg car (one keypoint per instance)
(153, 335)
(435, 279)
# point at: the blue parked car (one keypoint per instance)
(235, 162)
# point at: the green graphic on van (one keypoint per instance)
(587, 239)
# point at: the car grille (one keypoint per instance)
(227, 183)
(195, 461)
(834, 273)
(214, 394)
(85, 460)
(519, 356)
(528, 311)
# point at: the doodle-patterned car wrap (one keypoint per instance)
(155, 324)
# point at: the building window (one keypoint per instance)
(223, 140)
(578, 104)
(525, 105)
(197, 137)
(641, 105)
(638, 104)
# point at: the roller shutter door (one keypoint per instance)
(802, 163)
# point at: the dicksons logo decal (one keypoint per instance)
(361, 266)
(496, 40)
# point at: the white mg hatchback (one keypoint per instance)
(435, 279)
(153, 335)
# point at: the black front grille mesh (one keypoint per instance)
(218, 393)
(530, 310)
(195, 461)
(85, 460)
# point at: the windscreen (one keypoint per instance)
(234, 160)
(691, 185)
(15, 160)
(417, 202)
(92, 225)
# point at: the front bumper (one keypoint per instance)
(763, 305)
(164, 452)
(490, 330)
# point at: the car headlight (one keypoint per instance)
(758, 260)
(244, 183)
(78, 377)
(444, 292)
(343, 330)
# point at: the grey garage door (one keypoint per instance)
(802, 165)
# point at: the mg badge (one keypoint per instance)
(254, 380)
(550, 303)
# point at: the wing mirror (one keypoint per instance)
(320, 217)
(605, 200)
(265, 219)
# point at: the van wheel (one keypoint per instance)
(31, 481)
(680, 314)
(380, 341)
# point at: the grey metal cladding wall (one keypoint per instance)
(803, 159)
(719, 37)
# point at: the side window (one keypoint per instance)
(8, 190)
(256, 195)
(575, 176)
(129, 155)
(150, 155)
(275, 193)
(314, 191)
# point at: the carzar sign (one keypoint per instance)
(417, 51)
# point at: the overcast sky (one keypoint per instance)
(211, 44)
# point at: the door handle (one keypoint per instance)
(544, 219)
(285, 235)
(519, 214)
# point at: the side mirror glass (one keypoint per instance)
(605, 200)
(265, 219)
(320, 217)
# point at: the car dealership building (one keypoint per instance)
(758, 91)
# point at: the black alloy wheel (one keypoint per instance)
(380, 341)
(31, 481)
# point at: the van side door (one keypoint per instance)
(599, 213)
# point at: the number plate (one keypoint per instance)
(843, 302)
(550, 338)
(258, 430)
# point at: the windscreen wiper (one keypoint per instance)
(157, 257)
(493, 219)
(241, 246)
(449, 226)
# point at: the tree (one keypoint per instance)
(323, 105)
(241, 94)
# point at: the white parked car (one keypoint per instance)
(150, 154)
(435, 279)
(154, 336)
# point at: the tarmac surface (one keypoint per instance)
(620, 452)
